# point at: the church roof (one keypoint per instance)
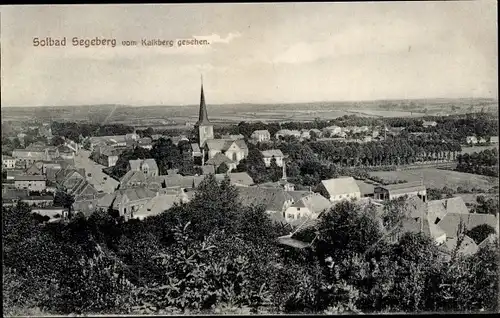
(203, 116)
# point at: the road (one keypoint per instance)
(100, 180)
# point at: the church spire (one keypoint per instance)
(203, 117)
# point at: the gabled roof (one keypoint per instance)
(451, 221)
(365, 187)
(315, 202)
(30, 154)
(132, 194)
(439, 208)
(297, 195)
(272, 199)
(272, 152)
(160, 204)
(468, 246)
(219, 159)
(132, 176)
(236, 178)
(342, 185)
(217, 144)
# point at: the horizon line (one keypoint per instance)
(261, 103)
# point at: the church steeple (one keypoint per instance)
(203, 116)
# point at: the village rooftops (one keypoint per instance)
(224, 144)
(437, 209)
(30, 178)
(138, 163)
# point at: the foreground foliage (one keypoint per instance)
(213, 255)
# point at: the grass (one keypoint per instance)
(437, 178)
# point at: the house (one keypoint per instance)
(220, 159)
(37, 146)
(261, 136)
(274, 201)
(268, 156)
(287, 132)
(31, 183)
(51, 165)
(472, 140)
(393, 191)
(52, 152)
(161, 203)
(450, 222)
(366, 188)
(126, 202)
(437, 209)
(38, 200)
(26, 158)
(106, 155)
(310, 206)
(147, 166)
(132, 178)
(428, 124)
(494, 139)
(72, 145)
(338, 189)
(241, 179)
(333, 130)
(145, 143)
(86, 197)
(305, 134)
(236, 150)
(316, 132)
(35, 169)
(68, 177)
(8, 162)
(12, 174)
(65, 152)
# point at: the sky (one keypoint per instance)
(258, 53)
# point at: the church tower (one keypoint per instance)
(205, 128)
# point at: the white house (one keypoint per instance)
(268, 156)
(310, 206)
(261, 135)
(472, 140)
(8, 162)
(338, 189)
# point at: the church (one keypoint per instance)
(215, 152)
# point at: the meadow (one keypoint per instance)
(437, 178)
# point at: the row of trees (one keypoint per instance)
(213, 255)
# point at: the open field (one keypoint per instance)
(233, 113)
(437, 178)
(472, 149)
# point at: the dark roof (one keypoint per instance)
(219, 159)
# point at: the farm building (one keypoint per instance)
(393, 191)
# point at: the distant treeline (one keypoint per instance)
(456, 127)
(74, 130)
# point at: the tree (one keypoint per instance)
(65, 200)
(57, 141)
(480, 232)
(223, 168)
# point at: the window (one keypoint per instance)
(298, 209)
(291, 216)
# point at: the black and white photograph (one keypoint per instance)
(250, 158)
